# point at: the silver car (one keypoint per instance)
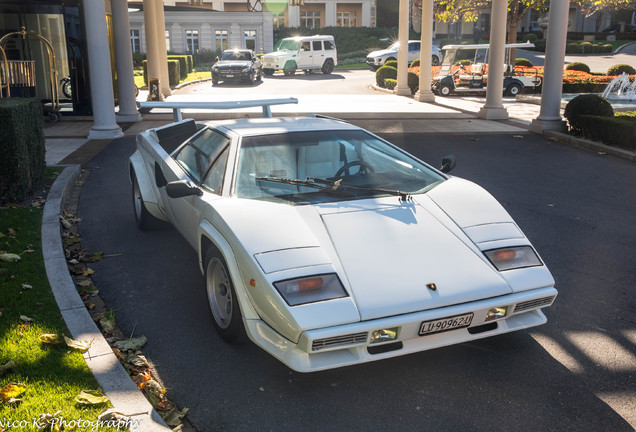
(375, 59)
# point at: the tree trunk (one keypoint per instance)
(513, 20)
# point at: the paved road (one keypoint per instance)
(576, 373)
(596, 62)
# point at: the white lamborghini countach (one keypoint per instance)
(328, 246)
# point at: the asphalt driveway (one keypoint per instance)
(577, 373)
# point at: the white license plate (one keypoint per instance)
(445, 324)
(229, 76)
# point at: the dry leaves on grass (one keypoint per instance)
(12, 391)
(9, 257)
(90, 397)
(82, 346)
(49, 338)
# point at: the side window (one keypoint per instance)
(214, 179)
(306, 46)
(414, 46)
(317, 45)
(329, 45)
(196, 156)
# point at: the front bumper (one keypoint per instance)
(230, 75)
(374, 62)
(353, 340)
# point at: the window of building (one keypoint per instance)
(279, 20)
(249, 39)
(346, 19)
(192, 41)
(310, 19)
(135, 41)
(220, 38)
(167, 40)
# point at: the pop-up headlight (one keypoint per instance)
(311, 289)
(513, 257)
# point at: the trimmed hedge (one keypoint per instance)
(390, 83)
(413, 82)
(523, 62)
(587, 104)
(173, 72)
(183, 65)
(391, 63)
(415, 63)
(615, 131)
(618, 69)
(578, 66)
(22, 164)
(383, 73)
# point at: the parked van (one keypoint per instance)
(307, 53)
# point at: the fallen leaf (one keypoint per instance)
(27, 287)
(13, 401)
(90, 397)
(95, 257)
(88, 272)
(7, 366)
(49, 338)
(261, 389)
(111, 414)
(518, 136)
(175, 417)
(138, 360)
(9, 257)
(131, 344)
(89, 305)
(46, 420)
(85, 283)
(11, 391)
(11, 231)
(26, 318)
(66, 224)
(28, 251)
(82, 346)
(153, 386)
(473, 139)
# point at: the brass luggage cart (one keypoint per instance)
(21, 74)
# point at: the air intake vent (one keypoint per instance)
(350, 339)
(533, 304)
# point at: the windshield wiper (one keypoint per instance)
(335, 185)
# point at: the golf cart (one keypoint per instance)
(474, 78)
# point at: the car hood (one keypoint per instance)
(278, 54)
(382, 53)
(226, 64)
(385, 251)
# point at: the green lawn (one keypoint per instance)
(53, 374)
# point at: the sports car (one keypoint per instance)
(328, 246)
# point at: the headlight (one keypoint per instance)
(513, 257)
(246, 70)
(311, 289)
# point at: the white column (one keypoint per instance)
(102, 95)
(163, 52)
(331, 9)
(152, 48)
(550, 115)
(493, 109)
(123, 61)
(402, 88)
(424, 94)
(293, 16)
(365, 21)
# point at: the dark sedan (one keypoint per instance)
(237, 65)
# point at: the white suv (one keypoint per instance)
(302, 52)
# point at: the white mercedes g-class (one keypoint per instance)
(306, 53)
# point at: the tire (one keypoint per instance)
(67, 89)
(390, 59)
(259, 76)
(215, 82)
(144, 220)
(514, 89)
(327, 67)
(445, 90)
(54, 117)
(268, 72)
(434, 61)
(289, 72)
(251, 78)
(226, 313)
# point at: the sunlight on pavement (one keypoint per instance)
(558, 353)
(606, 352)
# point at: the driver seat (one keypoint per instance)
(320, 161)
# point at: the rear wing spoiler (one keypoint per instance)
(178, 106)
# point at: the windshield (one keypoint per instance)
(363, 165)
(236, 55)
(289, 45)
(394, 47)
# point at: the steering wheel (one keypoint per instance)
(364, 167)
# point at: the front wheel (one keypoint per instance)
(144, 220)
(67, 89)
(268, 72)
(289, 72)
(445, 90)
(327, 67)
(226, 312)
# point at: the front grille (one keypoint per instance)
(533, 304)
(349, 339)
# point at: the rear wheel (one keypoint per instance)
(228, 321)
(434, 61)
(268, 72)
(513, 89)
(145, 221)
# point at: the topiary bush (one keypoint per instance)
(415, 63)
(615, 131)
(183, 65)
(619, 69)
(383, 73)
(413, 82)
(586, 104)
(539, 45)
(392, 63)
(578, 66)
(22, 164)
(586, 47)
(573, 48)
(173, 72)
(523, 62)
(390, 83)
(530, 37)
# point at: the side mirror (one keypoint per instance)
(254, 59)
(182, 188)
(216, 59)
(448, 164)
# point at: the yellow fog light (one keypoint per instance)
(496, 313)
(384, 335)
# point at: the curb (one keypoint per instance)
(110, 374)
(590, 145)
